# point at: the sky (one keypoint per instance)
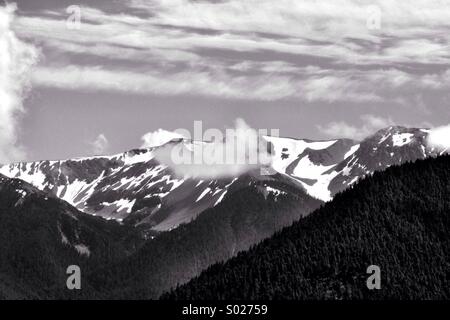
(312, 69)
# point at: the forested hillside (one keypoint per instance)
(247, 216)
(41, 235)
(398, 219)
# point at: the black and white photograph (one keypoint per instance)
(257, 151)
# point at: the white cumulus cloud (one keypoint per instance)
(158, 138)
(219, 154)
(16, 60)
(439, 137)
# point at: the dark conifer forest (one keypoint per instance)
(398, 219)
(247, 216)
(39, 236)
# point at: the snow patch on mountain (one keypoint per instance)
(204, 193)
(287, 150)
(309, 170)
(133, 159)
(275, 191)
(320, 189)
(352, 150)
(401, 139)
(135, 186)
(35, 176)
(121, 205)
(224, 192)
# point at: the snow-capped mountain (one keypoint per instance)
(324, 168)
(134, 187)
(391, 146)
(310, 163)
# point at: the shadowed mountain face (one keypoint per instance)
(188, 223)
(252, 212)
(398, 220)
(41, 235)
(135, 188)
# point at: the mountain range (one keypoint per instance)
(139, 228)
(397, 220)
(135, 187)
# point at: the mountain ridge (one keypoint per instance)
(173, 232)
(134, 187)
(397, 219)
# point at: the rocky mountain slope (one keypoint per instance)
(209, 220)
(135, 187)
(325, 168)
(398, 220)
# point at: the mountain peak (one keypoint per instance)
(136, 184)
(398, 135)
(401, 129)
(395, 129)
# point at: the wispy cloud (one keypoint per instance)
(342, 129)
(216, 83)
(264, 50)
(100, 145)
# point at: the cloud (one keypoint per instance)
(219, 155)
(310, 85)
(439, 137)
(371, 124)
(100, 145)
(331, 30)
(16, 60)
(332, 22)
(159, 138)
(256, 49)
